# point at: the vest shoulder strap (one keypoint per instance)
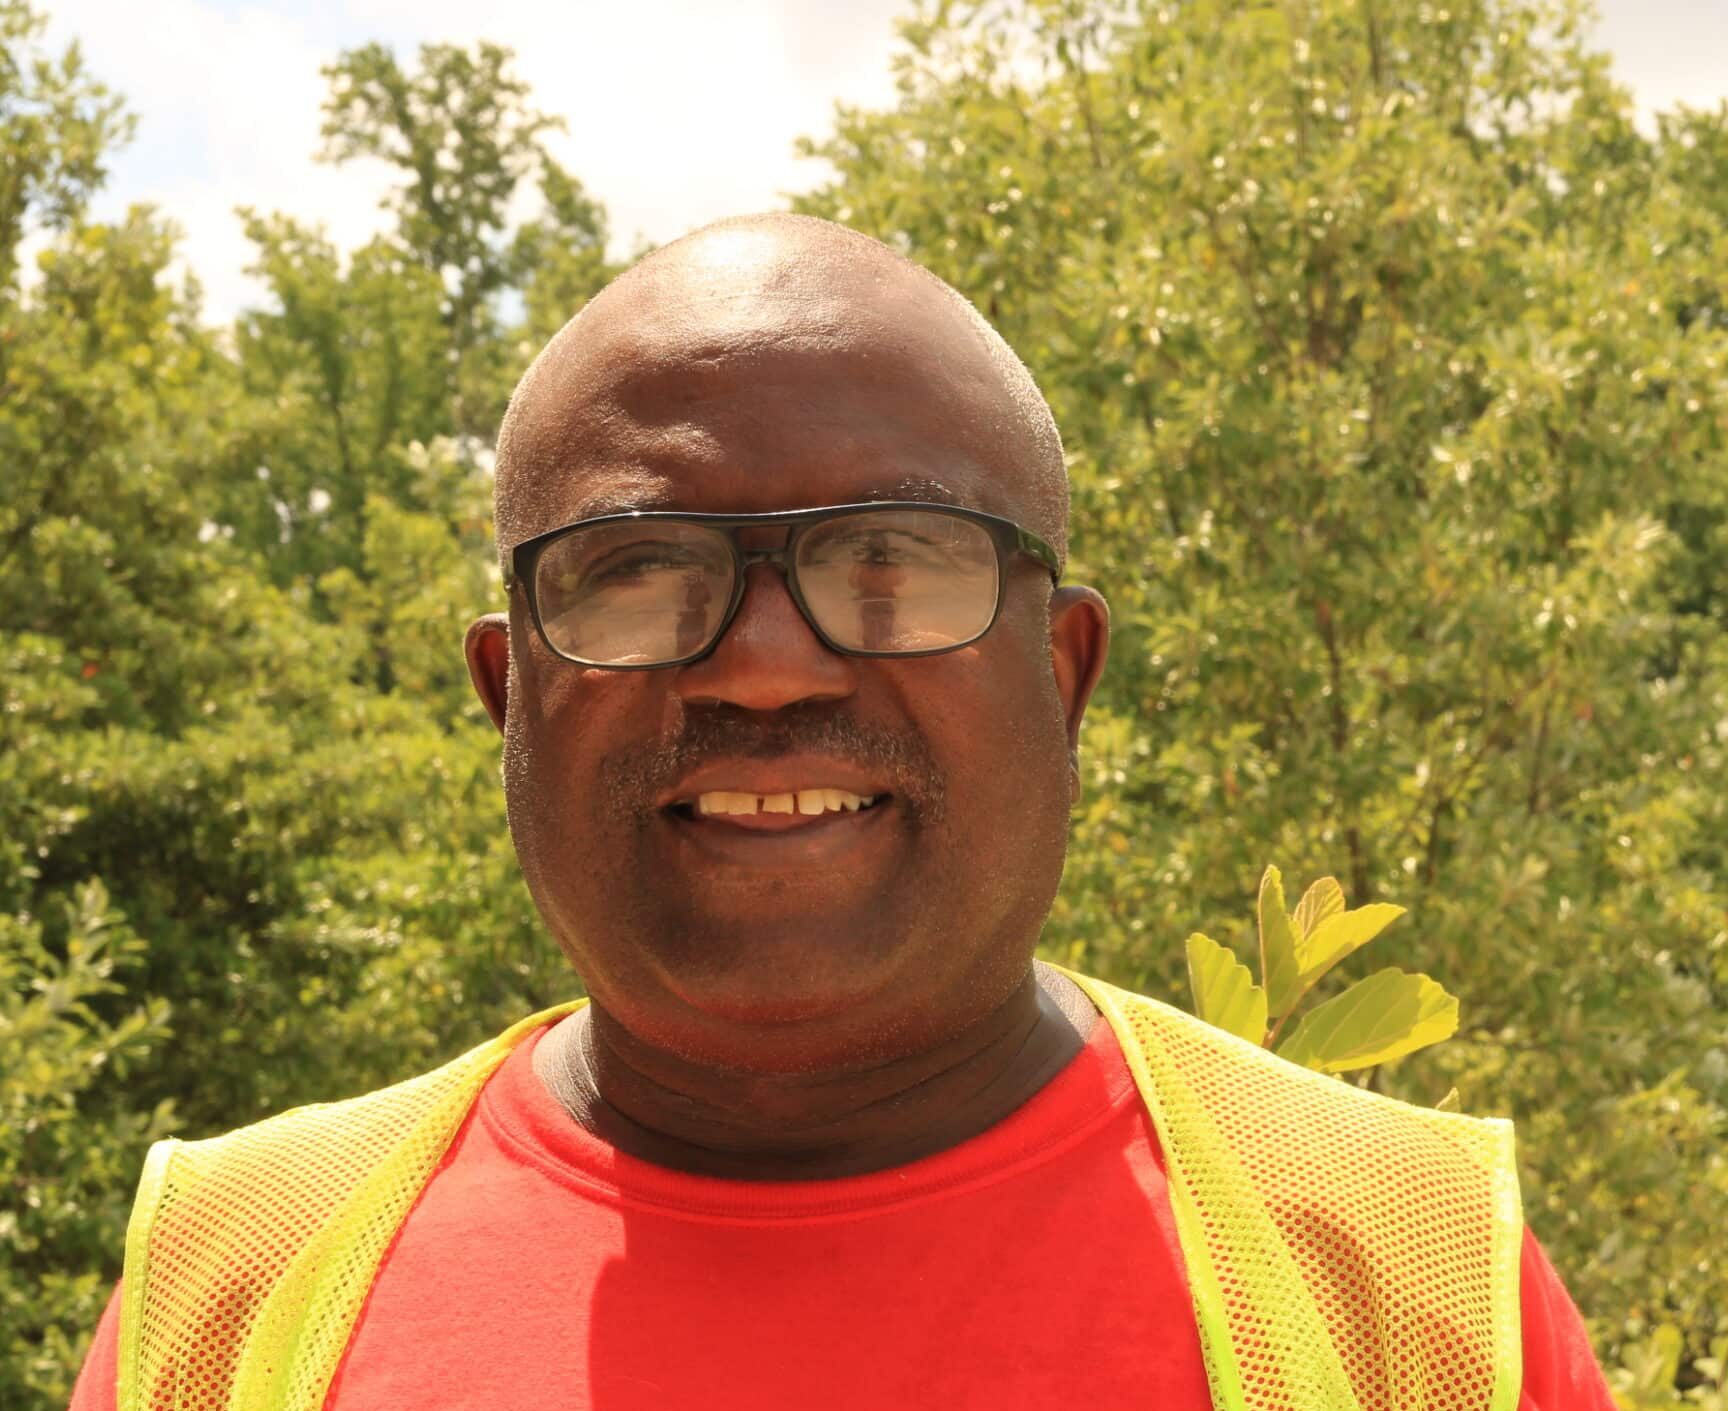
(248, 1255)
(1345, 1250)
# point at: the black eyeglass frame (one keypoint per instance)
(1008, 537)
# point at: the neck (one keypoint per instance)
(813, 1126)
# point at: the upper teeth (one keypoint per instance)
(801, 801)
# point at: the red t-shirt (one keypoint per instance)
(1036, 1265)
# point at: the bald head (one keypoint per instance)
(613, 412)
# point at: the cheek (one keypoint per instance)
(556, 732)
(1024, 688)
(562, 718)
(996, 722)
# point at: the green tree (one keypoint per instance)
(367, 371)
(246, 798)
(347, 367)
(60, 1169)
(56, 126)
(1390, 363)
(461, 133)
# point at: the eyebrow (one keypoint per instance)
(921, 488)
(915, 487)
(629, 492)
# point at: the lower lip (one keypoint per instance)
(781, 839)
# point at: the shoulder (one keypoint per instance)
(1334, 1216)
(275, 1225)
(313, 1143)
(1330, 1163)
(1200, 1059)
(279, 1180)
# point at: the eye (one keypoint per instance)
(632, 561)
(887, 547)
(875, 549)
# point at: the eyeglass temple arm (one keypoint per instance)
(1029, 543)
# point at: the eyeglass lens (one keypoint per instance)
(636, 593)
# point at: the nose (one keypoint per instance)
(769, 657)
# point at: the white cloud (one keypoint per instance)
(1668, 51)
(679, 111)
(227, 107)
(682, 111)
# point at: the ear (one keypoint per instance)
(487, 647)
(1079, 642)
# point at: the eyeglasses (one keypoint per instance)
(891, 578)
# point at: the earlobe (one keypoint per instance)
(1079, 642)
(487, 647)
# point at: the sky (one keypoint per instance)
(678, 111)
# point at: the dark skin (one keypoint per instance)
(846, 993)
(868, 1125)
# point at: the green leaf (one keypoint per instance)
(1338, 936)
(1648, 1368)
(1386, 1016)
(1449, 1103)
(1324, 898)
(1224, 990)
(1278, 968)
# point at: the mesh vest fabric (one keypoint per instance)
(249, 1255)
(1346, 1252)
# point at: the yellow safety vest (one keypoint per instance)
(1346, 1252)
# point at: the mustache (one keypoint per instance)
(636, 775)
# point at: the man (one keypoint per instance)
(825, 1135)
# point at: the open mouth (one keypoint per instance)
(788, 808)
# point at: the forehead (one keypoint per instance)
(754, 399)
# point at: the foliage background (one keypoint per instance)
(1390, 357)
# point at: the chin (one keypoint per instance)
(789, 1002)
(799, 974)
(787, 975)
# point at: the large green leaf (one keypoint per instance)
(1224, 990)
(1340, 935)
(1386, 1016)
(1323, 898)
(1279, 971)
